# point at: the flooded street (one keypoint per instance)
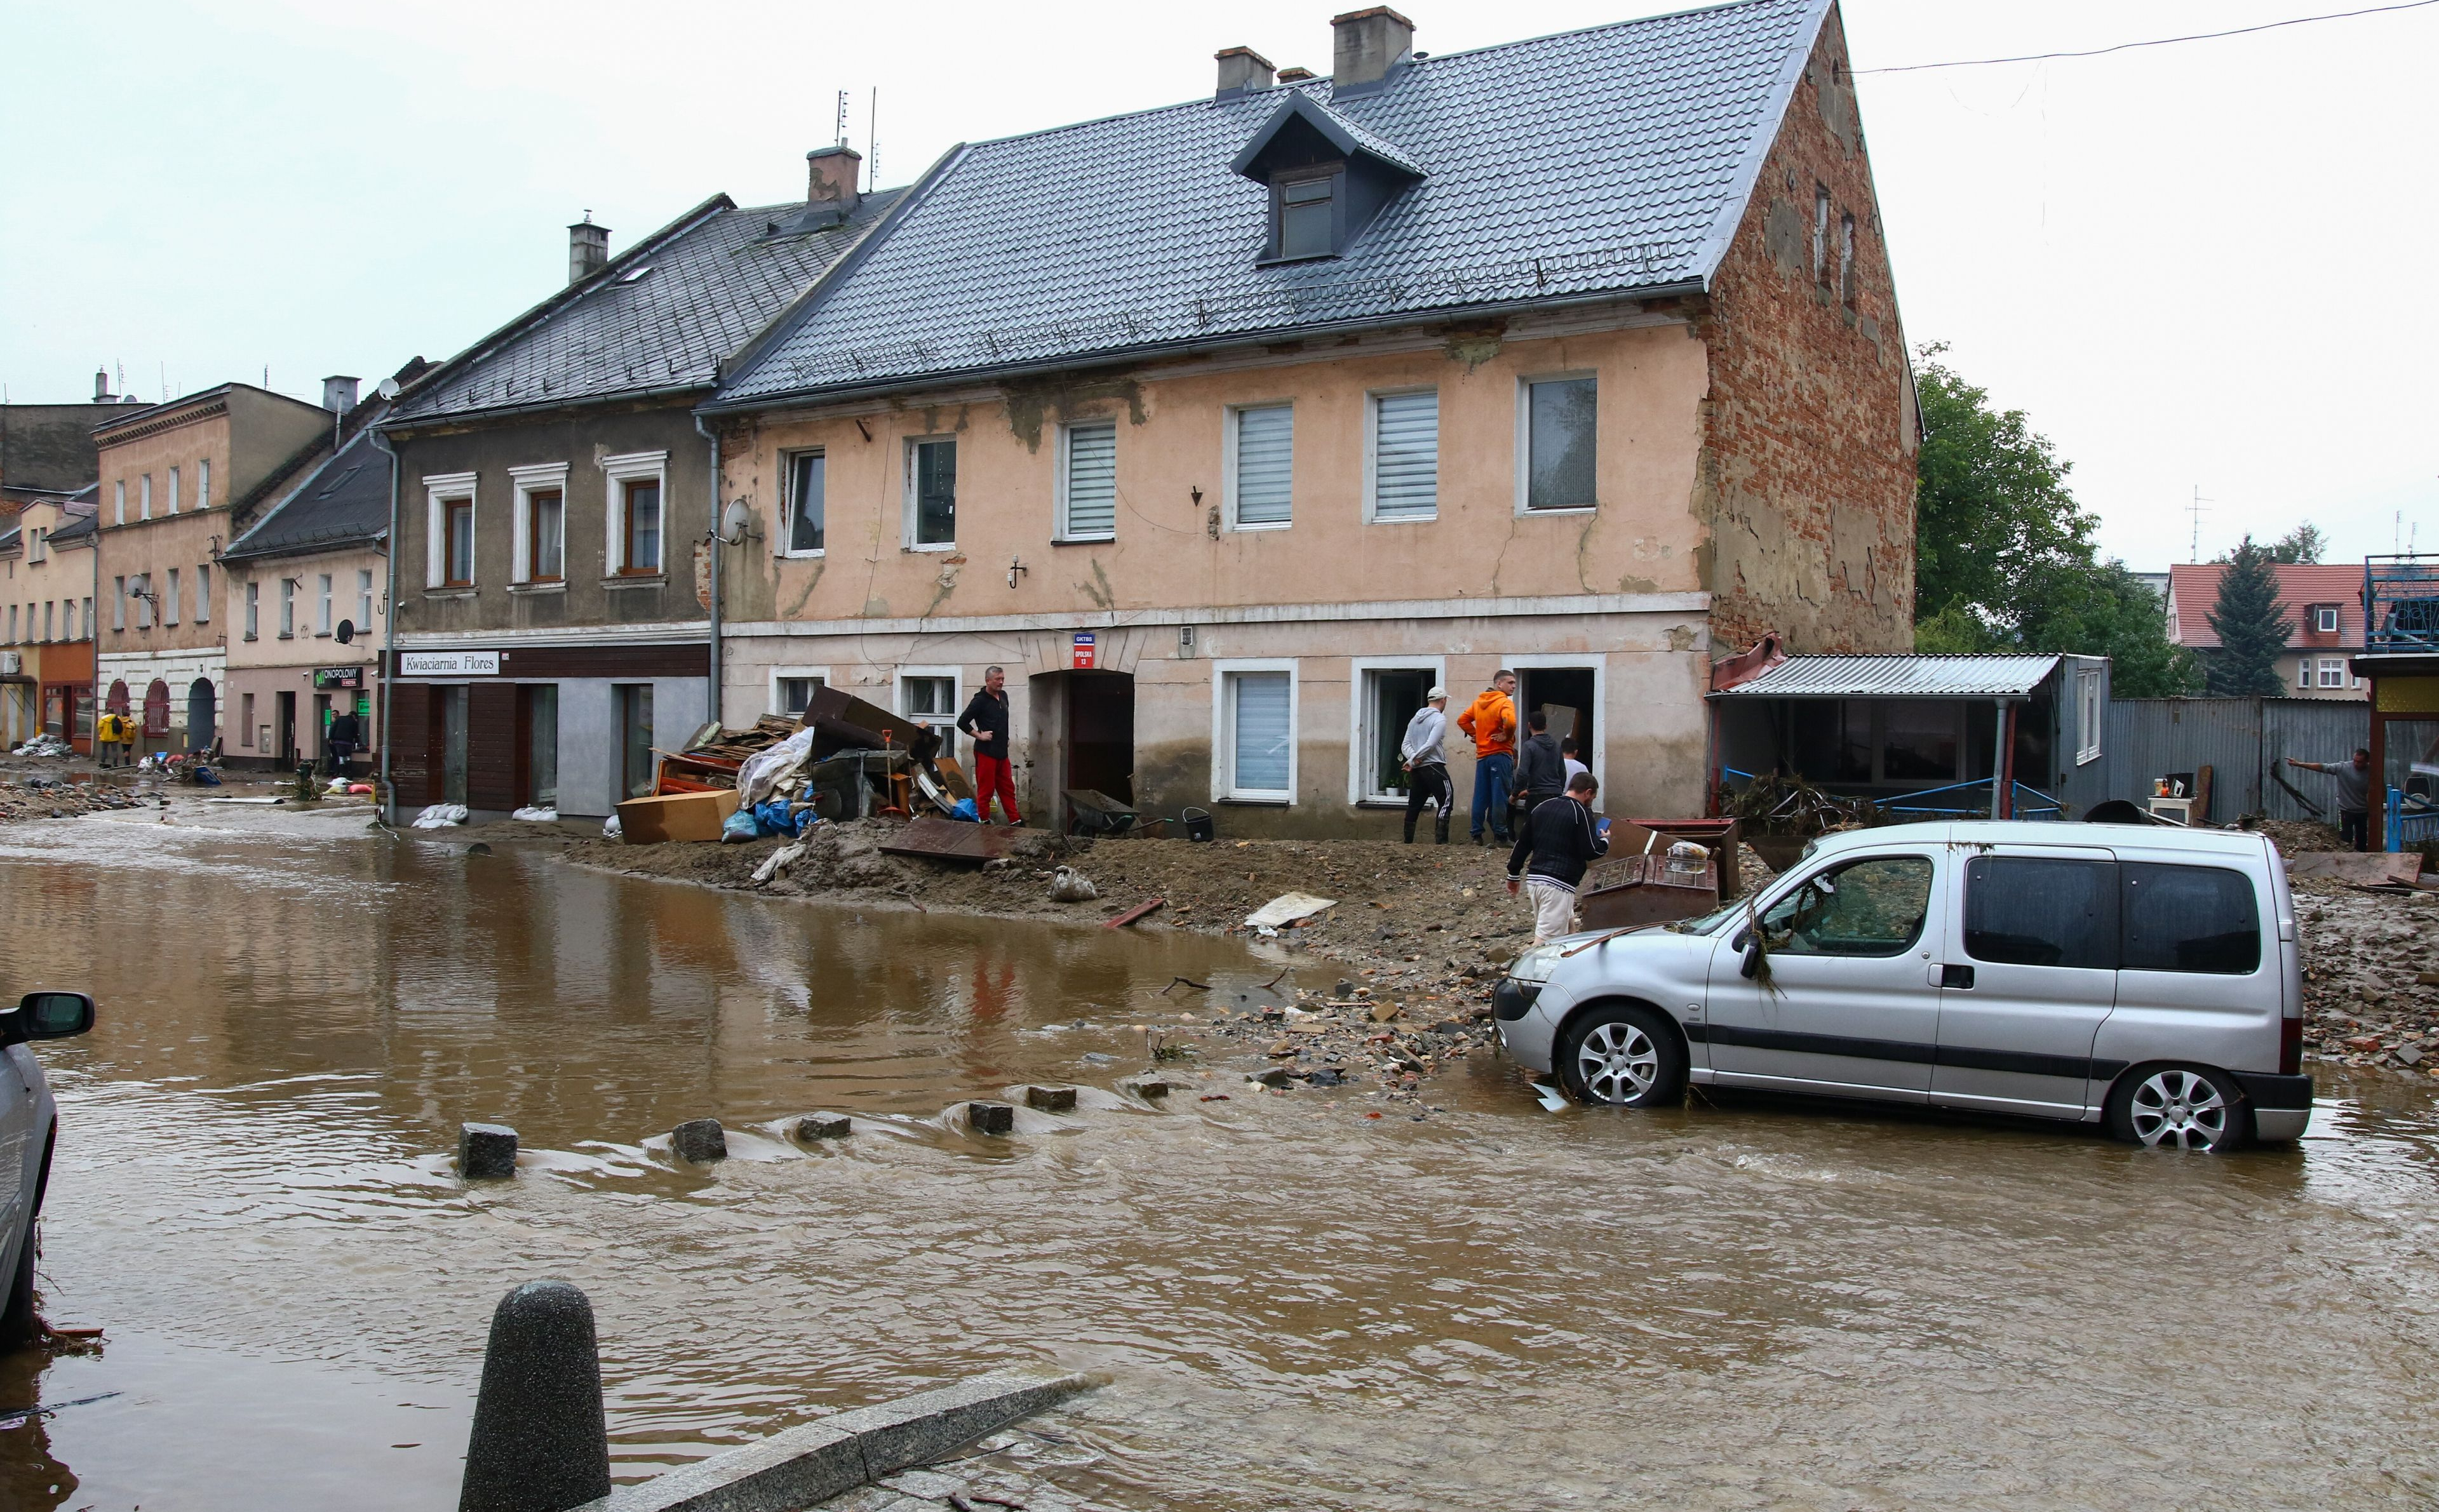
(1299, 1305)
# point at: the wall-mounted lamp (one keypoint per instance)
(1015, 566)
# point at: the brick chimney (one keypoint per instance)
(1370, 44)
(831, 175)
(1241, 70)
(588, 249)
(339, 394)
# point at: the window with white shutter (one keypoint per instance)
(1405, 455)
(1265, 465)
(1258, 740)
(1090, 489)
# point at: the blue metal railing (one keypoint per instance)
(2401, 602)
(2029, 802)
(2415, 826)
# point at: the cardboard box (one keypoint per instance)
(675, 816)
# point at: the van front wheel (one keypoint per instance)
(2179, 1107)
(1624, 1057)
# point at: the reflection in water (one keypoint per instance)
(1736, 1305)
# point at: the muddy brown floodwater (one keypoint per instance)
(1299, 1305)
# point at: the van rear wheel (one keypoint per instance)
(2179, 1107)
(1623, 1057)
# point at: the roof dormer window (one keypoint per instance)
(1305, 216)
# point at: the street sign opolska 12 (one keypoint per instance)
(1085, 649)
(448, 664)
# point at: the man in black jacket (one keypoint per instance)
(986, 720)
(1541, 768)
(1562, 840)
(341, 738)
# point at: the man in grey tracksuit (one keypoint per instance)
(1426, 764)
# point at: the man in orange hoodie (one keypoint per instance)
(1490, 719)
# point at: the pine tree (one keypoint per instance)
(2250, 627)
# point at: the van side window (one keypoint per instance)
(2023, 911)
(2190, 918)
(1870, 908)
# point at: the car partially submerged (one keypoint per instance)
(2147, 979)
(29, 1133)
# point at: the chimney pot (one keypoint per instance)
(101, 394)
(1241, 70)
(588, 249)
(339, 394)
(1294, 75)
(1370, 44)
(830, 177)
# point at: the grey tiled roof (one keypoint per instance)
(717, 279)
(343, 502)
(1609, 159)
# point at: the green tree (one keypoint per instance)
(2250, 627)
(2304, 543)
(2004, 556)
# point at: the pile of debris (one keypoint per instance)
(2370, 978)
(1352, 1036)
(56, 799)
(1772, 804)
(43, 745)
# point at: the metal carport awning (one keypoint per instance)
(1897, 677)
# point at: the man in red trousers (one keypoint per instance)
(986, 721)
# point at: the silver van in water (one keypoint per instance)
(2145, 978)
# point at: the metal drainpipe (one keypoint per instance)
(389, 633)
(713, 437)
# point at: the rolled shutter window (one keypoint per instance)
(1093, 480)
(1262, 732)
(1265, 464)
(1406, 453)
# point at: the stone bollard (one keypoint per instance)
(539, 1443)
(991, 1118)
(485, 1151)
(823, 1126)
(1051, 1100)
(699, 1139)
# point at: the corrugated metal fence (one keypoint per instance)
(2240, 739)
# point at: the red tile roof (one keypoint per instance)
(2193, 591)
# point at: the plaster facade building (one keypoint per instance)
(177, 482)
(308, 605)
(46, 646)
(1340, 389)
(2323, 605)
(553, 620)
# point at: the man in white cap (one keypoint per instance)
(1427, 775)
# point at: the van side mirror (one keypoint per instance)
(1751, 967)
(46, 1016)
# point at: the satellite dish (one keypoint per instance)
(733, 521)
(387, 388)
(346, 632)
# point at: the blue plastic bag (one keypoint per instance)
(774, 819)
(740, 826)
(964, 808)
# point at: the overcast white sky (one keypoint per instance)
(2206, 265)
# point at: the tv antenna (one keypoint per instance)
(842, 118)
(872, 146)
(2196, 509)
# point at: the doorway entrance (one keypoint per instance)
(284, 718)
(1083, 726)
(1387, 697)
(541, 723)
(636, 764)
(452, 741)
(203, 714)
(1563, 689)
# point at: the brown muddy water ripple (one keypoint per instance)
(1744, 1304)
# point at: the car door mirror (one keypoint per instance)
(50, 1016)
(1751, 967)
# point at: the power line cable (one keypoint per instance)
(2156, 42)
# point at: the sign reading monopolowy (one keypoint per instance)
(448, 664)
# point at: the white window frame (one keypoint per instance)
(1223, 731)
(202, 592)
(906, 469)
(524, 483)
(2303, 671)
(2324, 619)
(945, 724)
(34, 548)
(439, 490)
(143, 505)
(2089, 714)
(253, 608)
(1522, 662)
(787, 531)
(364, 594)
(170, 601)
(174, 491)
(1062, 531)
(203, 484)
(325, 590)
(616, 472)
(1372, 398)
(820, 674)
(2333, 672)
(1525, 382)
(119, 501)
(147, 605)
(1228, 463)
(1358, 710)
(287, 607)
(119, 603)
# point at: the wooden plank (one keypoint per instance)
(1139, 910)
(2376, 868)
